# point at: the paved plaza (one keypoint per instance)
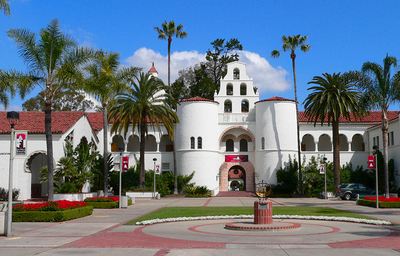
(103, 233)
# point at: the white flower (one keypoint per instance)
(299, 217)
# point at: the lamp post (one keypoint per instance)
(121, 151)
(376, 153)
(12, 118)
(154, 178)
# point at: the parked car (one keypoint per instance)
(347, 191)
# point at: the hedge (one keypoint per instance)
(381, 204)
(52, 216)
(106, 205)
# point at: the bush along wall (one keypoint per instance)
(52, 216)
(105, 202)
(383, 202)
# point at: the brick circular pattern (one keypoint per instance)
(249, 226)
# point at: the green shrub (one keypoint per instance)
(197, 191)
(52, 216)
(381, 204)
(103, 205)
(287, 178)
(4, 194)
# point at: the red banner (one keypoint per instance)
(125, 163)
(236, 158)
(371, 162)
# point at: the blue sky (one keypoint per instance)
(343, 34)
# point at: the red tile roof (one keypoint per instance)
(95, 120)
(371, 117)
(153, 69)
(275, 98)
(33, 122)
(196, 99)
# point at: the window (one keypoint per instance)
(199, 143)
(245, 106)
(70, 137)
(228, 106)
(390, 139)
(262, 143)
(243, 145)
(229, 145)
(229, 89)
(243, 89)
(376, 141)
(165, 167)
(236, 73)
(191, 142)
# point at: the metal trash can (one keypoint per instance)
(124, 202)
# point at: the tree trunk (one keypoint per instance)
(336, 154)
(293, 57)
(385, 151)
(49, 146)
(105, 150)
(141, 158)
(169, 60)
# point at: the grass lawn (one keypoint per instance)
(172, 212)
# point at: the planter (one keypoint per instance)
(141, 194)
(52, 216)
(74, 196)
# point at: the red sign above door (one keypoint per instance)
(236, 158)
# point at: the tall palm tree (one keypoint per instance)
(166, 32)
(105, 80)
(6, 86)
(5, 7)
(380, 90)
(142, 106)
(54, 62)
(292, 43)
(333, 96)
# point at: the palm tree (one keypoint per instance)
(380, 89)
(6, 86)
(54, 62)
(5, 7)
(142, 106)
(333, 96)
(104, 80)
(166, 32)
(292, 43)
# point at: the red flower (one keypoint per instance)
(49, 206)
(382, 199)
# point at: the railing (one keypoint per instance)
(236, 118)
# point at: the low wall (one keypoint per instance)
(74, 197)
(141, 194)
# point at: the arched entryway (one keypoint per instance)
(236, 178)
(35, 163)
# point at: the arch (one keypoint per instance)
(262, 143)
(308, 143)
(199, 143)
(343, 143)
(229, 145)
(192, 142)
(237, 178)
(133, 144)
(243, 130)
(245, 136)
(357, 143)
(228, 106)
(229, 89)
(243, 145)
(243, 89)
(245, 106)
(35, 163)
(150, 143)
(224, 175)
(166, 144)
(324, 143)
(117, 144)
(236, 74)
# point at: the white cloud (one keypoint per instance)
(266, 77)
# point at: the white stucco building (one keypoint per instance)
(230, 142)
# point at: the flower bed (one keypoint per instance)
(392, 202)
(54, 211)
(105, 202)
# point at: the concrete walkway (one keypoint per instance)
(98, 234)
